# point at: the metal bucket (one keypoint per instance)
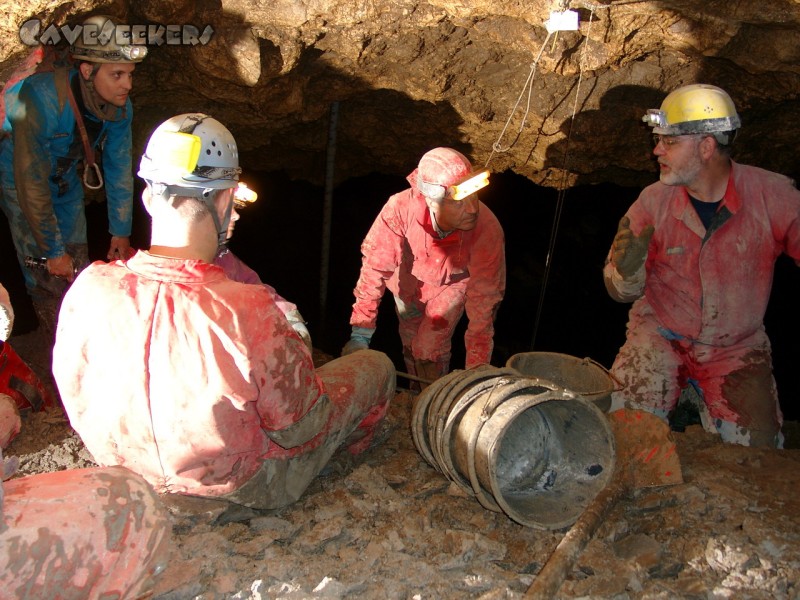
(583, 376)
(523, 446)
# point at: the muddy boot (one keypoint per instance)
(428, 371)
(408, 359)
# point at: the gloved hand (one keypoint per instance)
(628, 251)
(359, 340)
(304, 334)
(298, 323)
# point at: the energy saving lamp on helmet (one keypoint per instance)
(469, 185)
(244, 195)
(133, 53)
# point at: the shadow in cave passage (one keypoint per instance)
(280, 237)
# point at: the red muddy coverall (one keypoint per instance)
(200, 384)
(700, 300)
(237, 270)
(21, 390)
(433, 280)
(82, 533)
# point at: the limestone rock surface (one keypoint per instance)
(486, 76)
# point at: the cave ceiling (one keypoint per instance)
(393, 78)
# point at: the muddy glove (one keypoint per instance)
(301, 330)
(628, 251)
(298, 323)
(359, 340)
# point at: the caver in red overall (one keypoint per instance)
(702, 295)
(200, 384)
(21, 390)
(433, 279)
(81, 533)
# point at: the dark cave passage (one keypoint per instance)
(280, 236)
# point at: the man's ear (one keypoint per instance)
(708, 145)
(86, 70)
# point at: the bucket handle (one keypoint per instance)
(617, 383)
(521, 385)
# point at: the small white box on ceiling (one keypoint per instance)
(563, 20)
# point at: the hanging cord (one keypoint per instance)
(564, 4)
(496, 147)
(562, 190)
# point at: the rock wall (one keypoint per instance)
(401, 76)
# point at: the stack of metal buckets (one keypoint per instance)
(530, 439)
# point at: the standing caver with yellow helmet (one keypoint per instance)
(56, 121)
(695, 253)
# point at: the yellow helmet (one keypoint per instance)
(696, 108)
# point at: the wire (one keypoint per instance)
(528, 86)
(562, 191)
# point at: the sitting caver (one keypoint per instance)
(195, 381)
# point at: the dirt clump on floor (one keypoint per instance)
(388, 525)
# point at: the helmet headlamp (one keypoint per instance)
(243, 195)
(655, 118)
(469, 185)
(466, 186)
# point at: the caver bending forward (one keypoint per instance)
(55, 120)
(217, 395)
(696, 254)
(440, 251)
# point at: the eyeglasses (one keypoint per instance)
(671, 140)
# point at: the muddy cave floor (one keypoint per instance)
(387, 525)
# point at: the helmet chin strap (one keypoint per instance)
(101, 109)
(207, 195)
(222, 226)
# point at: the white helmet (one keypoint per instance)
(192, 155)
(192, 151)
(102, 42)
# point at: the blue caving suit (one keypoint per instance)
(42, 191)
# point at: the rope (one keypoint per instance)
(528, 86)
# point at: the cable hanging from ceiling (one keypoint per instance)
(559, 21)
